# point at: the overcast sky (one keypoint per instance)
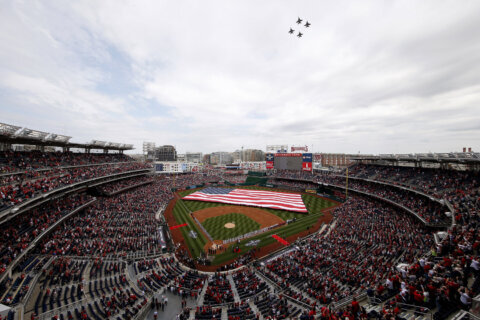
(367, 76)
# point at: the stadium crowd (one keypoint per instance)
(448, 279)
(16, 188)
(113, 226)
(19, 232)
(219, 290)
(460, 188)
(124, 184)
(433, 212)
(361, 252)
(19, 161)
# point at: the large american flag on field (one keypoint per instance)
(254, 198)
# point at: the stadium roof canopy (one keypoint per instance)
(451, 157)
(17, 135)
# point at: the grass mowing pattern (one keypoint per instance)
(313, 204)
(182, 215)
(266, 237)
(216, 226)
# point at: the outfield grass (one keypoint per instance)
(182, 215)
(313, 204)
(216, 226)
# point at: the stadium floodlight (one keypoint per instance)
(8, 129)
(98, 143)
(31, 134)
(113, 145)
(57, 138)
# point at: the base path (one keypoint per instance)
(263, 217)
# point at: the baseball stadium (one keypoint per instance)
(231, 160)
(233, 243)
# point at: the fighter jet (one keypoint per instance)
(291, 31)
(299, 34)
(299, 20)
(307, 24)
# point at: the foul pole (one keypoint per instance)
(346, 186)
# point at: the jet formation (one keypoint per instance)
(299, 22)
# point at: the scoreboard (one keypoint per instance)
(289, 161)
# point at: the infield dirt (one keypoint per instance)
(263, 217)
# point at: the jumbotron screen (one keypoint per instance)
(288, 161)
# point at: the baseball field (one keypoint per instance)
(217, 221)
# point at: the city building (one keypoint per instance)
(195, 157)
(165, 153)
(333, 159)
(221, 158)
(206, 158)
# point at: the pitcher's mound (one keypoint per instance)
(229, 225)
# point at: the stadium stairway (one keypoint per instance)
(236, 297)
(331, 227)
(224, 313)
(322, 228)
(201, 296)
(192, 314)
(255, 309)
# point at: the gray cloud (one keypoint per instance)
(376, 77)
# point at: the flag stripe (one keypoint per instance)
(255, 198)
(178, 226)
(280, 239)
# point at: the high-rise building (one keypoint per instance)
(237, 156)
(166, 153)
(206, 158)
(181, 157)
(221, 158)
(253, 155)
